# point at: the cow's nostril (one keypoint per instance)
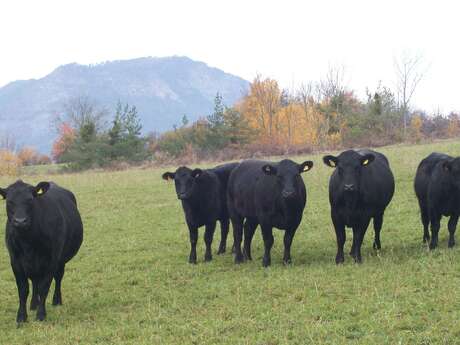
(287, 193)
(349, 187)
(20, 221)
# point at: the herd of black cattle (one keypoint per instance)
(44, 229)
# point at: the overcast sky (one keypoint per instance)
(291, 41)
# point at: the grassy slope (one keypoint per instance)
(131, 284)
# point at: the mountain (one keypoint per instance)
(162, 89)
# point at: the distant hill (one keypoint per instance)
(162, 89)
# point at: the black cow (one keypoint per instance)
(43, 232)
(203, 197)
(360, 188)
(270, 194)
(437, 186)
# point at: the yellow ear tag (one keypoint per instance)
(306, 168)
(169, 178)
(366, 162)
(40, 191)
(332, 163)
(267, 169)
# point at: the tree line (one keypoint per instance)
(312, 117)
(267, 120)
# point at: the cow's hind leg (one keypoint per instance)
(224, 225)
(208, 236)
(378, 221)
(452, 226)
(250, 226)
(34, 300)
(424, 215)
(57, 297)
(237, 224)
(435, 225)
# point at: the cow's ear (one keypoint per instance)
(367, 159)
(305, 166)
(331, 161)
(269, 169)
(3, 193)
(196, 173)
(168, 176)
(41, 188)
(447, 166)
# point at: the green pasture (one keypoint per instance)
(131, 283)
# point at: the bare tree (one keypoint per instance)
(81, 111)
(7, 141)
(409, 72)
(333, 84)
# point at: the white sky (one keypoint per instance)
(291, 41)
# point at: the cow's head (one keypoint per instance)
(349, 165)
(19, 202)
(287, 175)
(452, 167)
(185, 180)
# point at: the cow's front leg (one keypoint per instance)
(339, 228)
(23, 292)
(288, 237)
(267, 233)
(43, 289)
(193, 240)
(208, 236)
(358, 233)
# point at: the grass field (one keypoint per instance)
(131, 283)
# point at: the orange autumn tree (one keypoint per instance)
(281, 117)
(260, 108)
(65, 139)
(10, 164)
(28, 156)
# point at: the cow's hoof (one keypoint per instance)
(266, 262)
(287, 261)
(57, 301)
(377, 246)
(339, 259)
(192, 261)
(451, 244)
(239, 259)
(41, 316)
(432, 246)
(208, 257)
(20, 319)
(221, 250)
